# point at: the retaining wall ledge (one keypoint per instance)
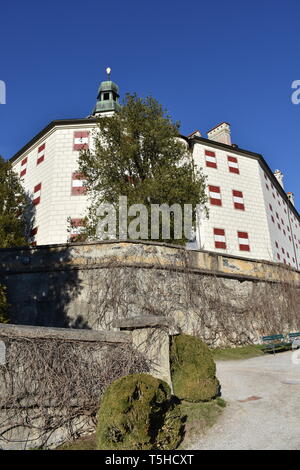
(66, 334)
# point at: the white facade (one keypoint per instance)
(51, 177)
(249, 213)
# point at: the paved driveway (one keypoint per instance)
(263, 405)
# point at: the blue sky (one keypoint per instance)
(206, 62)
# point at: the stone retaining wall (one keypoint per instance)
(225, 300)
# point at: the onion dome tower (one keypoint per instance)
(108, 98)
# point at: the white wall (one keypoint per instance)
(55, 173)
(282, 223)
(252, 220)
(57, 202)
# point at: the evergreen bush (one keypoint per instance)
(192, 369)
(137, 412)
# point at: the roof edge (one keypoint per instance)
(46, 129)
(259, 157)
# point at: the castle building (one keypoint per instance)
(250, 214)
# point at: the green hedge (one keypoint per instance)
(193, 369)
(137, 412)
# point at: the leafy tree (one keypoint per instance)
(138, 153)
(15, 217)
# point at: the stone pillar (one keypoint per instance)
(150, 335)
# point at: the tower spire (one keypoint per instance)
(108, 97)
(108, 71)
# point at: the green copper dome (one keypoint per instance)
(108, 98)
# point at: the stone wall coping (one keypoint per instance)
(140, 255)
(66, 334)
(142, 321)
(59, 246)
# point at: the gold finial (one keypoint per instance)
(108, 71)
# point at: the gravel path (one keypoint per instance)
(263, 405)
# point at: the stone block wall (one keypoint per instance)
(225, 300)
(52, 379)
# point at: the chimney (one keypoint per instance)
(196, 133)
(220, 133)
(291, 198)
(279, 176)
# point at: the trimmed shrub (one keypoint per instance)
(137, 412)
(3, 305)
(192, 369)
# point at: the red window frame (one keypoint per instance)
(24, 170)
(220, 232)
(81, 135)
(209, 153)
(77, 190)
(75, 222)
(243, 236)
(231, 168)
(214, 200)
(41, 154)
(238, 205)
(37, 198)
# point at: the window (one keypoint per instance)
(210, 158)
(81, 140)
(37, 194)
(243, 239)
(233, 165)
(76, 228)
(41, 154)
(219, 237)
(33, 233)
(78, 184)
(215, 195)
(105, 96)
(238, 200)
(23, 167)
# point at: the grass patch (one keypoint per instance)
(200, 417)
(82, 443)
(241, 352)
